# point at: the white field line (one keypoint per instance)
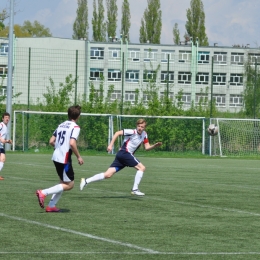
(80, 233)
(136, 253)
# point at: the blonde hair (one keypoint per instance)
(140, 121)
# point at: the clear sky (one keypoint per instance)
(228, 22)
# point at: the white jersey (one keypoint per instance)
(133, 140)
(3, 133)
(63, 134)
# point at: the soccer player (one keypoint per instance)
(133, 138)
(3, 141)
(64, 140)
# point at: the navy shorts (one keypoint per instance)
(124, 159)
(2, 150)
(65, 171)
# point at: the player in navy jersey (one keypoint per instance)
(3, 139)
(133, 138)
(64, 140)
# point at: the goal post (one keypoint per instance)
(236, 137)
(32, 130)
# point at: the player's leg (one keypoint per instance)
(114, 167)
(98, 177)
(138, 177)
(2, 161)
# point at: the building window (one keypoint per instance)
(186, 98)
(235, 100)
(96, 74)
(220, 58)
(201, 99)
(114, 75)
(4, 49)
(115, 95)
(184, 56)
(237, 58)
(219, 78)
(114, 54)
(202, 78)
(254, 57)
(149, 76)
(3, 71)
(220, 100)
(184, 77)
(132, 76)
(134, 55)
(236, 79)
(164, 56)
(164, 77)
(170, 95)
(150, 55)
(96, 53)
(131, 96)
(203, 57)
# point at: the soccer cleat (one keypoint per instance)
(137, 193)
(1, 178)
(52, 209)
(83, 183)
(41, 198)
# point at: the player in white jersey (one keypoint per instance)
(133, 138)
(3, 139)
(64, 140)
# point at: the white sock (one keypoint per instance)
(52, 190)
(1, 165)
(138, 178)
(97, 177)
(54, 199)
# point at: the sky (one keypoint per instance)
(227, 22)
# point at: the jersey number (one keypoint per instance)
(61, 137)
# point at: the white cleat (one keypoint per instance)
(83, 183)
(137, 193)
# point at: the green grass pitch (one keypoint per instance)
(194, 208)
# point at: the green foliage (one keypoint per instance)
(195, 24)
(125, 21)
(111, 18)
(251, 93)
(36, 29)
(58, 100)
(98, 24)
(151, 23)
(80, 26)
(176, 34)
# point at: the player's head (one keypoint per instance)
(6, 117)
(74, 112)
(140, 125)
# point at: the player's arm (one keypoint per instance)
(52, 141)
(110, 146)
(74, 148)
(3, 141)
(148, 147)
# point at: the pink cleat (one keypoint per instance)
(52, 209)
(41, 198)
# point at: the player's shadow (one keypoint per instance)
(61, 211)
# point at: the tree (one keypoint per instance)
(98, 24)
(195, 24)
(151, 23)
(36, 29)
(80, 26)
(18, 31)
(125, 21)
(251, 93)
(176, 34)
(3, 16)
(111, 18)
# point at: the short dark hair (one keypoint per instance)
(5, 114)
(74, 112)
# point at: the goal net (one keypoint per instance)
(236, 137)
(33, 129)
